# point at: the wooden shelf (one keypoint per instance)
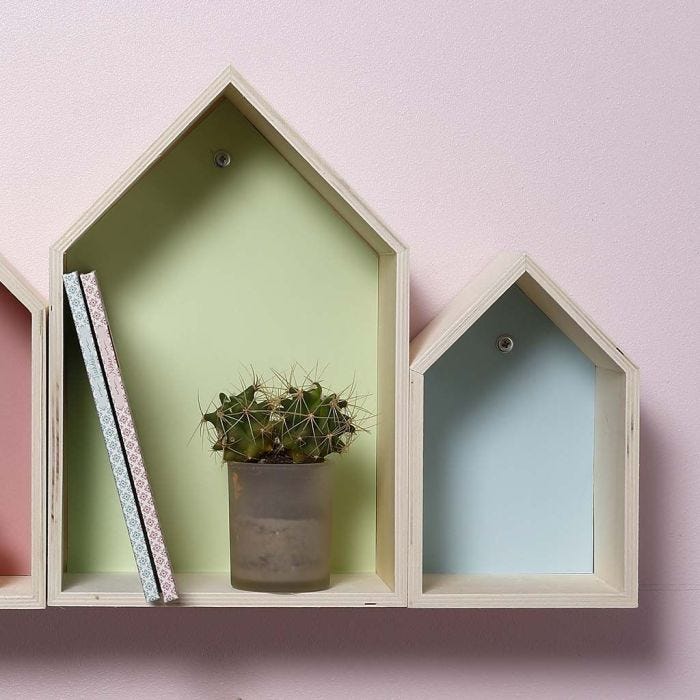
(214, 590)
(524, 464)
(206, 270)
(22, 442)
(533, 591)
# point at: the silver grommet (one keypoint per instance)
(222, 159)
(505, 343)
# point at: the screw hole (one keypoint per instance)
(505, 343)
(222, 159)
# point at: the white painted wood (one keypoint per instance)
(30, 591)
(392, 451)
(616, 457)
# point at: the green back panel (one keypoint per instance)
(205, 271)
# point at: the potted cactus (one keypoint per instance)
(275, 440)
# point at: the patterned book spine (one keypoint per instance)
(108, 424)
(130, 440)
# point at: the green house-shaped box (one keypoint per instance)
(205, 270)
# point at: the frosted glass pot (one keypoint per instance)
(280, 522)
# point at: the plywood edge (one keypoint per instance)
(401, 427)
(530, 591)
(632, 416)
(20, 288)
(34, 602)
(584, 331)
(613, 600)
(39, 455)
(415, 558)
(21, 592)
(207, 590)
(222, 600)
(55, 409)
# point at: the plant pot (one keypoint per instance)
(280, 522)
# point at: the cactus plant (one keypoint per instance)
(288, 421)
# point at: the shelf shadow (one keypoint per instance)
(207, 641)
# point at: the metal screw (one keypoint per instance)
(222, 159)
(505, 343)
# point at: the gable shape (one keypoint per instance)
(20, 288)
(231, 86)
(487, 287)
(614, 579)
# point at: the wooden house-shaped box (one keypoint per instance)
(228, 244)
(524, 451)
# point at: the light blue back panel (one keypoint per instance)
(508, 449)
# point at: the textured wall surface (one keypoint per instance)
(568, 130)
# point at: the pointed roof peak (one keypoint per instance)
(507, 269)
(19, 287)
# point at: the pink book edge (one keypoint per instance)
(125, 421)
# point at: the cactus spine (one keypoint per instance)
(285, 422)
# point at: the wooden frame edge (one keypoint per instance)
(37, 307)
(223, 600)
(551, 601)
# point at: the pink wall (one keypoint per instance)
(15, 435)
(565, 129)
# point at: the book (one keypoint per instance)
(129, 436)
(108, 424)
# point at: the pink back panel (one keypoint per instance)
(15, 436)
